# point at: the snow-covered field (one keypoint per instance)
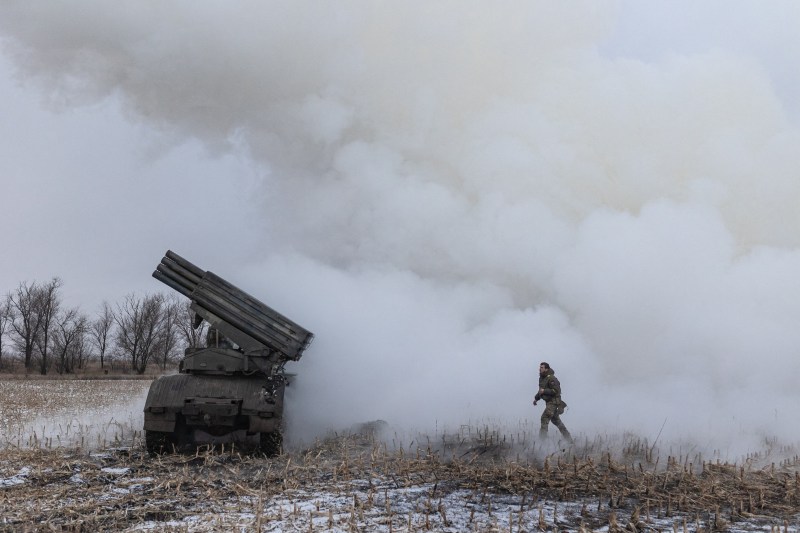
(50, 413)
(72, 458)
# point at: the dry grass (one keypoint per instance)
(88, 376)
(359, 484)
(90, 472)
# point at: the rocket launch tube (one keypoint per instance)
(234, 306)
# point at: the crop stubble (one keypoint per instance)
(479, 480)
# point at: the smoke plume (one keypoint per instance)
(451, 193)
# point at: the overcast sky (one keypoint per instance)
(445, 193)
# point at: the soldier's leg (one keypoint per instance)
(561, 427)
(547, 415)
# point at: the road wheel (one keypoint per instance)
(271, 443)
(159, 442)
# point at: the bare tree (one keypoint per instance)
(169, 339)
(68, 340)
(100, 331)
(24, 321)
(192, 327)
(139, 323)
(5, 319)
(48, 304)
(23, 305)
(80, 349)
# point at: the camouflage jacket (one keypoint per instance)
(552, 388)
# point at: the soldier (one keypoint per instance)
(550, 392)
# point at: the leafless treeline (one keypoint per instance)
(40, 332)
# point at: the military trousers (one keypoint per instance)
(550, 414)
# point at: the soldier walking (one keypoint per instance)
(550, 392)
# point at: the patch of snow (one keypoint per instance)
(17, 479)
(115, 471)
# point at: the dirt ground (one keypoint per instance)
(354, 483)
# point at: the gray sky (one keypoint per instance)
(446, 194)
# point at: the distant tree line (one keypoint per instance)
(41, 334)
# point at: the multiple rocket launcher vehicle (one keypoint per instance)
(233, 389)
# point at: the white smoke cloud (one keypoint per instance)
(452, 193)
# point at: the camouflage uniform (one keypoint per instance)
(551, 394)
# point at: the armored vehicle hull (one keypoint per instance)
(184, 410)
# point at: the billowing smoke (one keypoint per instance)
(453, 192)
